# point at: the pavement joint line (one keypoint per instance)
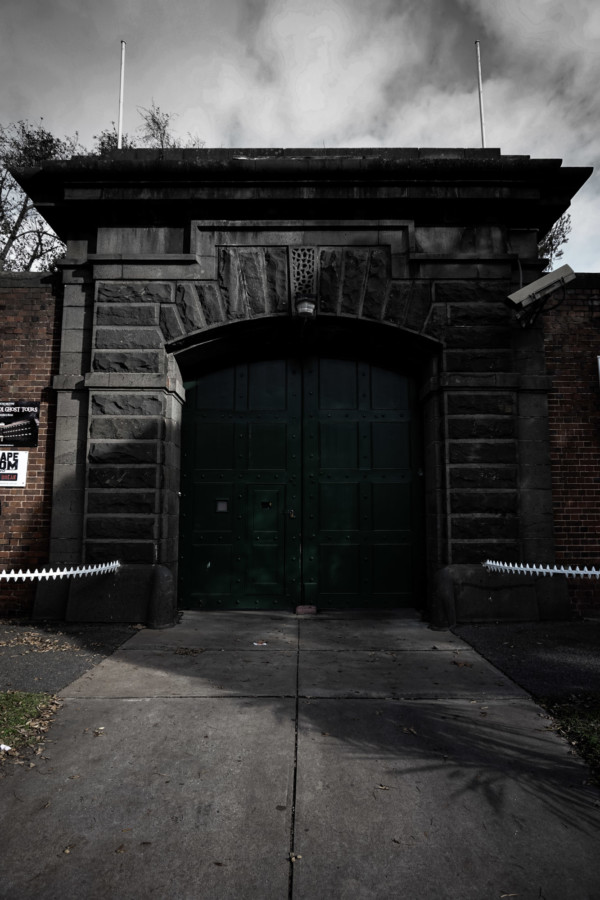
(295, 772)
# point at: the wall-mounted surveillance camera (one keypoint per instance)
(542, 288)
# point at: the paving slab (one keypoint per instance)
(238, 630)
(380, 633)
(136, 672)
(154, 798)
(427, 674)
(440, 799)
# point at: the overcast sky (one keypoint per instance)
(314, 73)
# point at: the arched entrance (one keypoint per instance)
(301, 483)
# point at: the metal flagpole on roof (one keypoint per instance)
(480, 94)
(121, 90)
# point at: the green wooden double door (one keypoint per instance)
(299, 486)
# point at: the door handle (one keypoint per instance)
(291, 514)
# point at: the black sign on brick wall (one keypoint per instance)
(19, 424)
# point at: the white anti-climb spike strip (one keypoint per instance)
(520, 569)
(99, 569)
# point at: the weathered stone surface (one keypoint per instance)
(134, 292)
(126, 338)
(492, 403)
(170, 322)
(276, 276)
(477, 337)
(121, 502)
(477, 292)
(115, 404)
(354, 276)
(482, 451)
(482, 476)
(132, 527)
(138, 428)
(476, 552)
(231, 285)
(481, 427)
(251, 263)
(408, 304)
(124, 551)
(481, 313)
(122, 477)
(124, 452)
(492, 502)
(211, 302)
(378, 277)
(329, 273)
(479, 361)
(126, 314)
(121, 361)
(146, 239)
(482, 527)
(189, 307)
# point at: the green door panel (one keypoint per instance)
(299, 484)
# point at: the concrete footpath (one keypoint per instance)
(261, 756)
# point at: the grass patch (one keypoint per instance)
(25, 718)
(577, 718)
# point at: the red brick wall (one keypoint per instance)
(29, 347)
(572, 344)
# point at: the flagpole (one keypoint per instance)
(121, 91)
(480, 95)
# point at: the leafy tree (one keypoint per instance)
(157, 130)
(27, 243)
(108, 140)
(550, 247)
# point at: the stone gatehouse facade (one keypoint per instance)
(232, 452)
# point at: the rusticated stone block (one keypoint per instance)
(133, 502)
(475, 292)
(482, 452)
(189, 307)
(122, 477)
(482, 476)
(378, 277)
(467, 404)
(211, 302)
(170, 323)
(126, 314)
(492, 502)
(124, 452)
(353, 279)
(134, 338)
(330, 263)
(476, 552)
(113, 404)
(121, 361)
(134, 292)
(131, 527)
(276, 277)
(231, 285)
(481, 427)
(251, 262)
(124, 551)
(482, 527)
(408, 304)
(481, 313)
(475, 337)
(479, 361)
(124, 428)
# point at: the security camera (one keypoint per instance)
(541, 288)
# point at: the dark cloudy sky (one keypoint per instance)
(313, 73)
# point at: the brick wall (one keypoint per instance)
(29, 346)
(572, 345)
